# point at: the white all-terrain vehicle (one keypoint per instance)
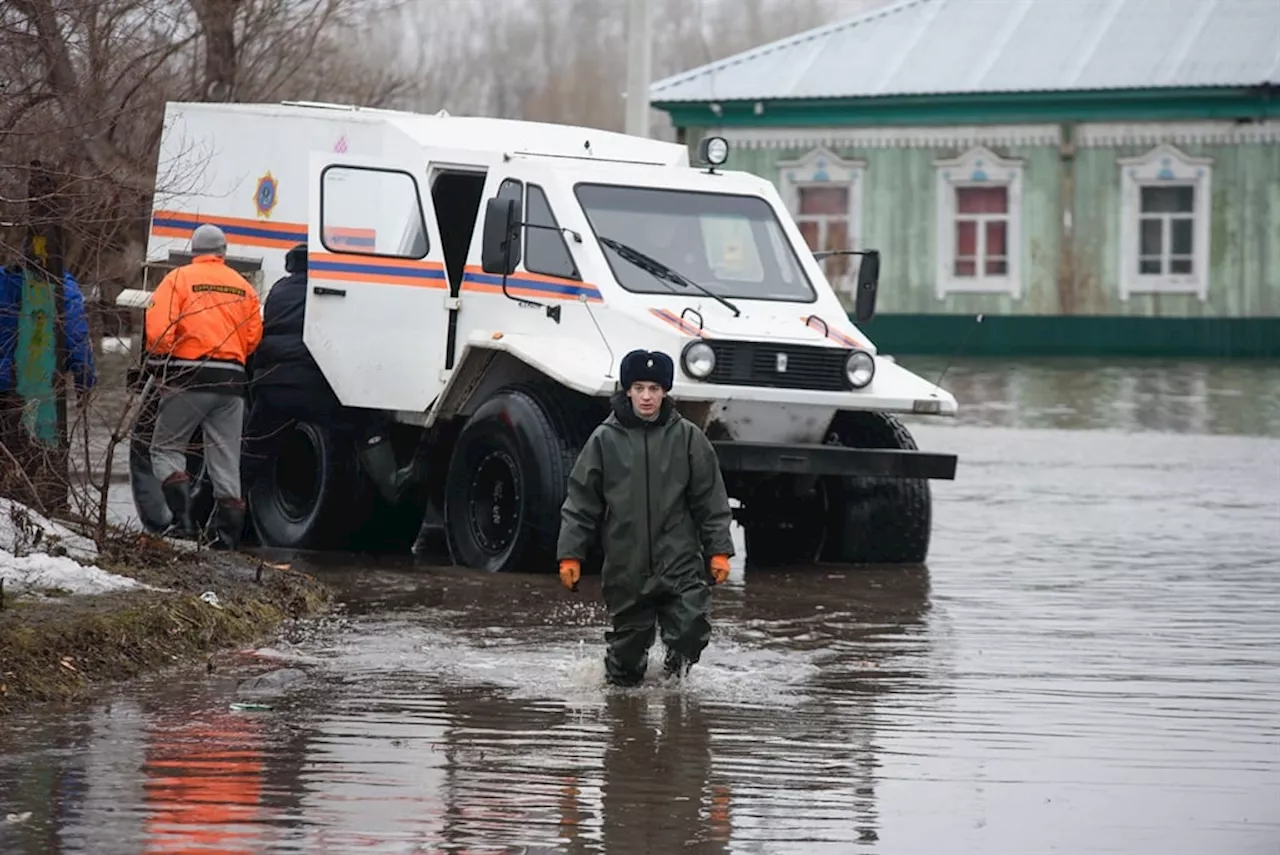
(481, 279)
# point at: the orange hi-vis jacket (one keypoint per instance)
(206, 316)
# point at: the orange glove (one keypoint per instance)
(720, 568)
(570, 572)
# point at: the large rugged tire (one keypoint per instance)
(876, 520)
(309, 497)
(508, 474)
(782, 528)
(148, 499)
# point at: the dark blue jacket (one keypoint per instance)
(282, 368)
(79, 349)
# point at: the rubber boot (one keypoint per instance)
(379, 461)
(431, 534)
(675, 666)
(177, 495)
(228, 523)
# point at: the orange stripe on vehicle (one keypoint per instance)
(376, 271)
(679, 323)
(476, 280)
(819, 325)
(284, 228)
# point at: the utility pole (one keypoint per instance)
(639, 56)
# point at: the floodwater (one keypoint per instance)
(1090, 663)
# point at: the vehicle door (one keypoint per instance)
(377, 292)
(546, 258)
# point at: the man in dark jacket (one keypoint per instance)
(289, 386)
(648, 482)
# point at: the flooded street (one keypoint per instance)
(1090, 663)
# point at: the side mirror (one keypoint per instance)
(864, 300)
(500, 246)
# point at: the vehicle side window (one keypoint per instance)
(548, 253)
(514, 189)
(365, 211)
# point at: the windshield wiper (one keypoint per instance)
(661, 271)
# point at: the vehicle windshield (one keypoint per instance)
(731, 245)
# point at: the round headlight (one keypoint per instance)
(699, 360)
(859, 369)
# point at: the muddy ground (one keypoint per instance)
(63, 649)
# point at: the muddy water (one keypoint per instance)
(1091, 663)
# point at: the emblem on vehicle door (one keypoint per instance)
(781, 363)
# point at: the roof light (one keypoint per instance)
(714, 150)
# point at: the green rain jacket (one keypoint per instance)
(653, 493)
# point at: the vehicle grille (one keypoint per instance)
(755, 363)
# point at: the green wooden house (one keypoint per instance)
(1094, 177)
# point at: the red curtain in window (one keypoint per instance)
(981, 201)
(824, 200)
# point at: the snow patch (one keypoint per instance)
(37, 553)
(24, 530)
(42, 572)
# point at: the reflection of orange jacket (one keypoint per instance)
(204, 310)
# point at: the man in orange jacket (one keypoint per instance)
(203, 323)
(647, 487)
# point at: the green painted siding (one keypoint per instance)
(899, 219)
(1045, 335)
(1244, 235)
(986, 108)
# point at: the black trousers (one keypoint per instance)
(679, 606)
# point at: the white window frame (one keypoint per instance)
(822, 167)
(1165, 166)
(977, 167)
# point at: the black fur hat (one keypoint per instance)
(295, 260)
(654, 366)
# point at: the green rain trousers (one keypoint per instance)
(653, 494)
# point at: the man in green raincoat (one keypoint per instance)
(648, 483)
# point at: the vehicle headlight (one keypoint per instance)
(699, 360)
(859, 369)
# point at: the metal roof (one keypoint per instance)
(933, 47)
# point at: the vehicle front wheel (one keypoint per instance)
(876, 520)
(506, 482)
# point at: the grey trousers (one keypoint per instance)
(222, 417)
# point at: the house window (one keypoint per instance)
(1165, 224)
(979, 199)
(823, 192)
(982, 231)
(822, 213)
(1166, 221)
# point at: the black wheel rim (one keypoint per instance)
(297, 475)
(493, 502)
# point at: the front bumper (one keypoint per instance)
(782, 459)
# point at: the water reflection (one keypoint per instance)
(421, 732)
(657, 793)
(1184, 397)
(203, 781)
(1090, 663)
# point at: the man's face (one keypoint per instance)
(646, 396)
